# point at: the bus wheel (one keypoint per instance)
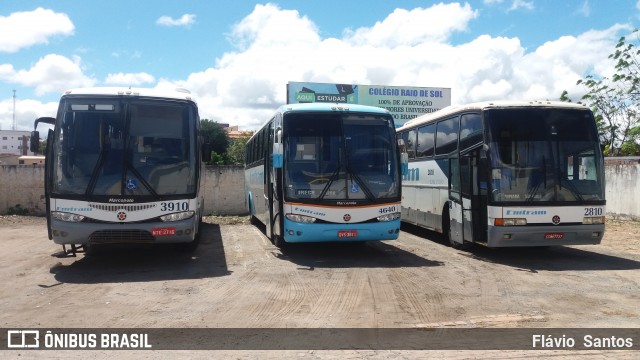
(89, 249)
(192, 245)
(189, 246)
(278, 241)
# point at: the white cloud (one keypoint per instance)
(52, 73)
(24, 29)
(129, 79)
(268, 25)
(521, 4)
(185, 20)
(275, 46)
(403, 27)
(584, 9)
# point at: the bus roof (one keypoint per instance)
(331, 107)
(499, 104)
(337, 107)
(178, 93)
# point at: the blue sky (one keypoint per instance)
(237, 56)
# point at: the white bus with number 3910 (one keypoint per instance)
(123, 166)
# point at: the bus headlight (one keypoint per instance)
(65, 216)
(177, 216)
(510, 222)
(593, 220)
(301, 218)
(388, 217)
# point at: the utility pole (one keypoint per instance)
(14, 111)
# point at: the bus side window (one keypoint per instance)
(410, 142)
(426, 140)
(470, 130)
(447, 136)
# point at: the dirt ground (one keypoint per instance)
(238, 279)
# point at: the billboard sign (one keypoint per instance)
(403, 102)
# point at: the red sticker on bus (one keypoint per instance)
(554, 236)
(163, 231)
(347, 233)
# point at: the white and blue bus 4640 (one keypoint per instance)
(325, 172)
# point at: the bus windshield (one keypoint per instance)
(340, 156)
(544, 155)
(131, 147)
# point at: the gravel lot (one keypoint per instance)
(238, 279)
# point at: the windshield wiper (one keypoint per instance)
(363, 186)
(128, 166)
(333, 177)
(534, 190)
(96, 170)
(569, 185)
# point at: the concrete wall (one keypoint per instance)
(224, 189)
(24, 185)
(623, 188)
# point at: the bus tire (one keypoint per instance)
(192, 245)
(89, 249)
(189, 246)
(278, 241)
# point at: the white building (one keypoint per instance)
(15, 142)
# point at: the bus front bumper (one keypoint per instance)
(122, 233)
(510, 236)
(295, 232)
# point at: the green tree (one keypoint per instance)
(235, 152)
(615, 101)
(214, 134)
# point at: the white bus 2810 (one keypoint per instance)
(504, 174)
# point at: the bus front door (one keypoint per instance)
(274, 181)
(471, 205)
(455, 229)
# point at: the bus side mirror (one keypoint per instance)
(277, 159)
(34, 143)
(404, 163)
(404, 157)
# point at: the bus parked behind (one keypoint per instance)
(504, 174)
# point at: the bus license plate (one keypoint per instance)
(347, 233)
(554, 236)
(163, 231)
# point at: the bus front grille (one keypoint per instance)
(121, 236)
